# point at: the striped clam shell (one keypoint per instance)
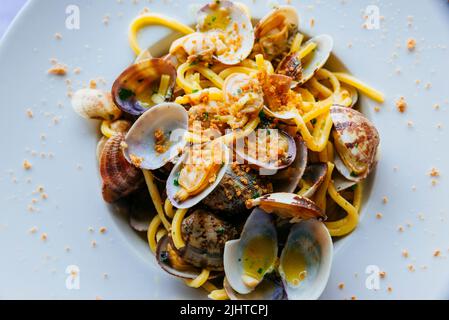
(356, 141)
(120, 178)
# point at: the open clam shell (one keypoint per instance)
(306, 260)
(248, 259)
(205, 235)
(157, 137)
(288, 206)
(173, 185)
(356, 141)
(312, 179)
(171, 263)
(287, 180)
(120, 178)
(95, 104)
(274, 31)
(271, 288)
(137, 88)
(229, 26)
(270, 140)
(316, 60)
(341, 183)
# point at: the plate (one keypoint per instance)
(53, 247)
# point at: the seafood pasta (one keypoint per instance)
(238, 152)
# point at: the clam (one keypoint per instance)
(143, 85)
(288, 206)
(244, 94)
(312, 179)
(141, 210)
(229, 28)
(271, 288)
(100, 146)
(351, 94)
(193, 47)
(120, 178)
(205, 236)
(304, 263)
(356, 141)
(269, 149)
(95, 104)
(157, 137)
(306, 260)
(302, 70)
(287, 180)
(274, 32)
(198, 172)
(248, 259)
(237, 186)
(171, 262)
(341, 183)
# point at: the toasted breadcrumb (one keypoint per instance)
(93, 244)
(405, 254)
(434, 173)
(93, 84)
(382, 274)
(411, 44)
(33, 230)
(27, 165)
(30, 113)
(353, 298)
(44, 236)
(341, 286)
(77, 70)
(436, 253)
(103, 230)
(58, 36)
(58, 69)
(401, 229)
(379, 215)
(401, 105)
(385, 200)
(390, 289)
(411, 268)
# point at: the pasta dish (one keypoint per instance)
(239, 153)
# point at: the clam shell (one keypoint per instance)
(259, 224)
(235, 188)
(356, 141)
(173, 188)
(189, 273)
(232, 91)
(100, 145)
(311, 240)
(290, 66)
(314, 176)
(288, 206)
(274, 31)
(341, 183)
(95, 104)
(205, 236)
(133, 88)
(318, 59)
(173, 120)
(120, 178)
(287, 180)
(232, 20)
(252, 159)
(141, 210)
(193, 47)
(271, 288)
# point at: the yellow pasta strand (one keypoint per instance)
(320, 196)
(209, 287)
(160, 233)
(218, 295)
(304, 52)
(151, 233)
(153, 19)
(106, 129)
(297, 41)
(200, 280)
(168, 208)
(358, 195)
(156, 197)
(227, 72)
(346, 225)
(363, 87)
(176, 233)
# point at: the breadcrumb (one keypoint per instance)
(382, 274)
(385, 200)
(33, 230)
(405, 254)
(30, 113)
(411, 44)
(411, 268)
(103, 230)
(341, 286)
(44, 236)
(434, 173)
(379, 215)
(401, 105)
(436, 253)
(58, 69)
(27, 165)
(58, 36)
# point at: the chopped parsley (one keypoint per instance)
(256, 195)
(220, 230)
(313, 121)
(176, 180)
(125, 94)
(164, 256)
(195, 90)
(260, 271)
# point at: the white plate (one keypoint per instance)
(32, 268)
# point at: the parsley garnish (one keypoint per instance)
(125, 94)
(176, 180)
